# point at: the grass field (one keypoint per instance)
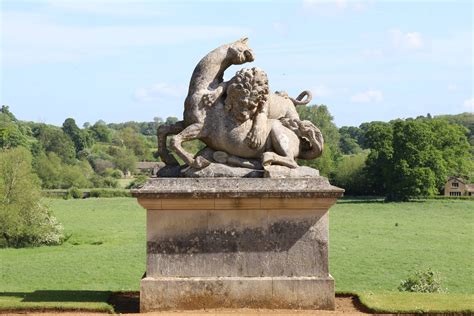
(373, 246)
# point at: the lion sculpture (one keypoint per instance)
(240, 120)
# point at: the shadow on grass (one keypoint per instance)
(373, 200)
(122, 302)
(60, 296)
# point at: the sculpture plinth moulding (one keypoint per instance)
(216, 236)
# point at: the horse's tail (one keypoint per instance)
(306, 94)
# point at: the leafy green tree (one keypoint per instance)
(5, 111)
(11, 136)
(171, 119)
(451, 140)
(48, 167)
(130, 139)
(24, 220)
(11, 132)
(349, 140)
(123, 159)
(80, 138)
(350, 174)
(53, 139)
(379, 137)
(101, 132)
(416, 164)
(55, 174)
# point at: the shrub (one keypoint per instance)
(427, 281)
(104, 182)
(75, 193)
(109, 193)
(114, 173)
(24, 220)
(137, 182)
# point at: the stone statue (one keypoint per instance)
(242, 123)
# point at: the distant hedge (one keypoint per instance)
(106, 193)
(87, 193)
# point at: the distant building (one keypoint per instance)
(458, 187)
(149, 168)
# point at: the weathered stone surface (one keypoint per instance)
(241, 119)
(218, 170)
(237, 243)
(169, 293)
(165, 188)
(274, 171)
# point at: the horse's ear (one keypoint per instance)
(244, 40)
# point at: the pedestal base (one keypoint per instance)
(169, 293)
(237, 243)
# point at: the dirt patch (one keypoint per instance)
(129, 303)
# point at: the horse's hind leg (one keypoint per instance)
(191, 132)
(162, 133)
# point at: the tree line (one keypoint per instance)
(400, 159)
(397, 159)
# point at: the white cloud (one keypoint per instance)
(368, 96)
(469, 104)
(321, 91)
(408, 40)
(158, 91)
(452, 87)
(30, 38)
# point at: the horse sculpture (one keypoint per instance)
(240, 118)
(206, 86)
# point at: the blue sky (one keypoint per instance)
(132, 60)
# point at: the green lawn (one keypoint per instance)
(373, 247)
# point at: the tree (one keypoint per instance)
(11, 133)
(350, 174)
(416, 164)
(5, 110)
(101, 132)
(24, 220)
(171, 119)
(124, 159)
(349, 140)
(378, 138)
(53, 139)
(130, 139)
(80, 138)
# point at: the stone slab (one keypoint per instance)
(170, 293)
(199, 188)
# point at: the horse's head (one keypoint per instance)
(239, 53)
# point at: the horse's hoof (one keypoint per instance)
(200, 162)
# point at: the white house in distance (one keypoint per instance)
(458, 187)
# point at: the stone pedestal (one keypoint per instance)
(221, 242)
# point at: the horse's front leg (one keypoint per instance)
(189, 133)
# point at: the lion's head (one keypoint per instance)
(247, 93)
